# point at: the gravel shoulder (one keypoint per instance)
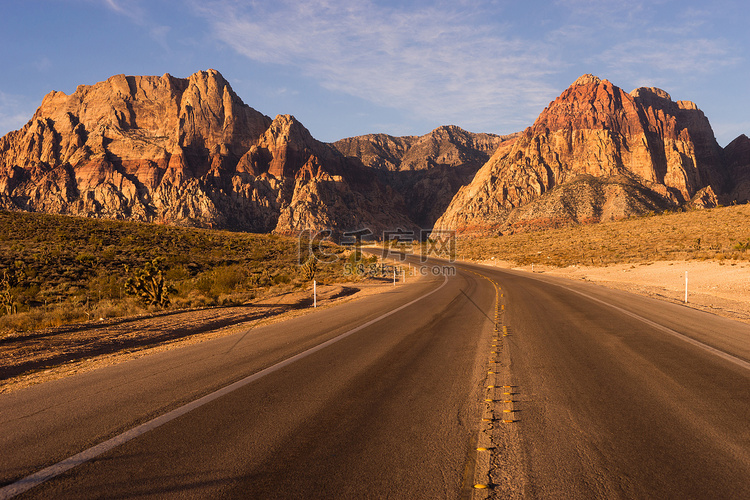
(34, 357)
(719, 287)
(722, 288)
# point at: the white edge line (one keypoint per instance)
(724, 355)
(43, 475)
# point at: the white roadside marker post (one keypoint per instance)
(686, 284)
(315, 294)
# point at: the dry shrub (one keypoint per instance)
(76, 267)
(719, 233)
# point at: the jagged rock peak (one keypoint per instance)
(740, 139)
(289, 128)
(737, 154)
(427, 170)
(184, 151)
(449, 129)
(587, 79)
(129, 86)
(643, 91)
(639, 152)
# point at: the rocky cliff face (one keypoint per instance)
(625, 153)
(426, 171)
(190, 152)
(184, 151)
(737, 155)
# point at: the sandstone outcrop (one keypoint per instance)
(184, 151)
(428, 170)
(190, 152)
(644, 150)
(737, 154)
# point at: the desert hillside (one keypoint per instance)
(597, 153)
(190, 152)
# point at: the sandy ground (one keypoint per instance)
(30, 358)
(722, 288)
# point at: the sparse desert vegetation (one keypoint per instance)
(721, 233)
(57, 269)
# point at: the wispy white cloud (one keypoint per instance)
(726, 132)
(440, 62)
(609, 15)
(134, 10)
(659, 41)
(675, 57)
(43, 64)
(467, 62)
(15, 111)
(482, 64)
(128, 8)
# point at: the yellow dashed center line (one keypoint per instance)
(490, 400)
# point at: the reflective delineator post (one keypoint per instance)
(315, 294)
(686, 283)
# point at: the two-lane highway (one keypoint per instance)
(609, 395)
(386, 409)
(620, 396)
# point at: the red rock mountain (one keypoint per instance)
(737, 154)
(190, 152)
(428, 170)
(595, 153)
(185, 151)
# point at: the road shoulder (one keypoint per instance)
(718, 287)
(35, 357)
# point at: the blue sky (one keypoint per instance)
(350, 67)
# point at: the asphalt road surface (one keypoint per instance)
(614, 396)
(619, 396)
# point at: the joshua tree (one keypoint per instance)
(8, 282)
(149, 285)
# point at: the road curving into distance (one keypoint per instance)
(609, 395)
(387, 409)
(618, 396)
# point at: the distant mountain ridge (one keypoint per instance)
(737, 155)
(190, 152)
(427, 170)
(596, 153)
